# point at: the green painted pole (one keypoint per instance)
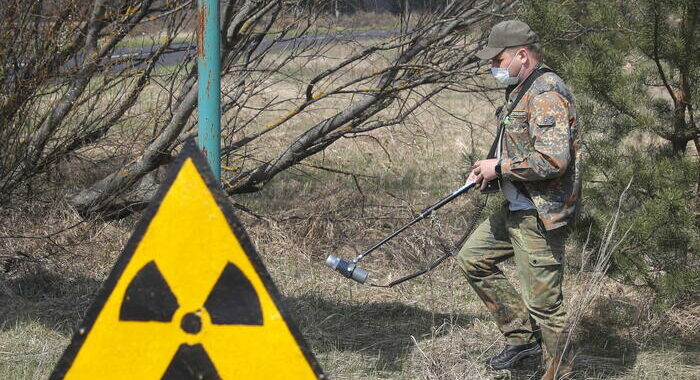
(209, 91)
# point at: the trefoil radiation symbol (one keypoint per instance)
(232, 301)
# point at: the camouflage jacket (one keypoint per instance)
(540, 151)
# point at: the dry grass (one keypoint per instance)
(430, 328)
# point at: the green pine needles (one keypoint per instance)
(635, 70)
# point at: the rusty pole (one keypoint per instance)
(209, 69)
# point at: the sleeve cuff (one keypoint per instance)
(505, 168)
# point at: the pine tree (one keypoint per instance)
(635, 70)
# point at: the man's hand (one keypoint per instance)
(483, 172)
(472, 178)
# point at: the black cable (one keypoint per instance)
(445, 256)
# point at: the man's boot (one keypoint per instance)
(512, 354)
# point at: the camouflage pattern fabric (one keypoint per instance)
(540, 154)
(538, 312)
(541, 149)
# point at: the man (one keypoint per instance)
(535, 163)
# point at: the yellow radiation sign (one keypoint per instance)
(189, 297)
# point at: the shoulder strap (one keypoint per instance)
(526, 86)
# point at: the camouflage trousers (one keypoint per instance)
(537, 313)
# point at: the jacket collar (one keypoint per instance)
(512, 88)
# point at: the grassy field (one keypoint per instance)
(430, 328)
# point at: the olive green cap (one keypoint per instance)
(507, 34)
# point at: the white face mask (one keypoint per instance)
(503, 76)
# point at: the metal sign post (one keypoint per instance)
(209, 95)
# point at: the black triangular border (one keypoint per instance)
(190, 150)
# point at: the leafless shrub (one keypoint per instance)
(592, 280)
(63, 87)
(68, 93)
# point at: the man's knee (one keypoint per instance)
(466, 261)
(484, 248)
(473, 262)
